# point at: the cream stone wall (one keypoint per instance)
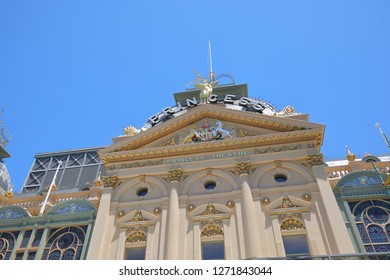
(248, 209)
(172, 220)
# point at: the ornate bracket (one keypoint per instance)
(175, 174)
(314, 160)
(110, 181)
(242, 167)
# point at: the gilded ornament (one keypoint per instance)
(210, 210)
(209, 171)
(130, 131)
(174, 174)
(291, 224)
(121, 214)
(278, 163)
(317, 159)
(136, 237)
(98, 181)
(142, 178)
(212, 230)
(157, 211)
(138, 217)
(266, 201)
(230, 204)
(190, 207)
(244, 133)
(306, 197)
(169, 142)
(286, 203)
(243, 167)
(350, 156)
(110, 181)
(9, 194)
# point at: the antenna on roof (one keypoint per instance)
(383, 135)
(211, 73)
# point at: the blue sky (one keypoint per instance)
(73, 74)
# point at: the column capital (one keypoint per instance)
(175, 174)
(110, 181)
(316, 159)
(242, 167)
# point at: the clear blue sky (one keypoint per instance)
(73, 74)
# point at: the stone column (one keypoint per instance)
(342, 240)
(172, 229)
(249, 221)
(97, 246)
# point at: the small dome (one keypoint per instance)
(370, 158)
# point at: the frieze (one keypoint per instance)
(209, 146)
(278, 149)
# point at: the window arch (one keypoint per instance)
(212, 241)
(7, 242)
(65, 244)
(372, 219)
(136, 245)
(294, 238)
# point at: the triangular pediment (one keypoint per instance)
(205, 127)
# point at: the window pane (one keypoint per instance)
(213, 250)
(136, 254)
(295, 245)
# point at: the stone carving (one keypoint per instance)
(317, 159)
(286, 203)
(210, 210)
(175, 174)
(110, 181)
(242, 167)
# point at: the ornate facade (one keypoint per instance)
(230, 177)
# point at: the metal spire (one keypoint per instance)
(383, 135)
(211, 73)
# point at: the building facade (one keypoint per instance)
(218, 175)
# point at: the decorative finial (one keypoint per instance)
(98, 181)
(130, 131)
(350, 156)
(9, 193)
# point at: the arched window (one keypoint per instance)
(212, 239)
(372, 218)
(294, 238)
(136, 245)
(65, 244)
(7, 243)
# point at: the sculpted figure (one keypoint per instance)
(206, 89)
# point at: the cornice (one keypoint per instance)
(229, 144)
(208, 111)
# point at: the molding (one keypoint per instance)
(205, 147)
